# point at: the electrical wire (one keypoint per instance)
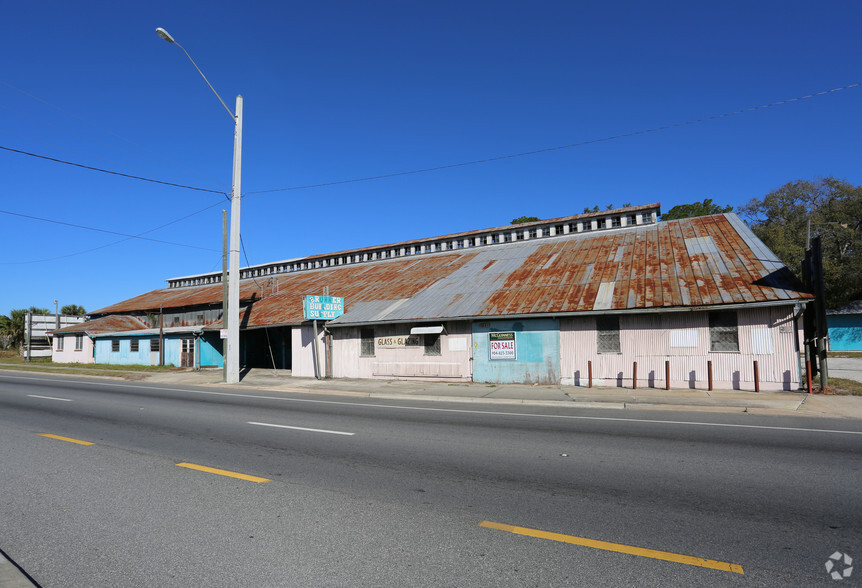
(115, 173)
(559, 147)
(127, 237)
(158, 160)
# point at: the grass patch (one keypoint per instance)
(845, 387)
(847, 354)
(11, 360)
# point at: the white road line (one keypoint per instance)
(301, 428)
(50, 398)
(463, 411)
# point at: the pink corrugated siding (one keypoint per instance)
(646, 339)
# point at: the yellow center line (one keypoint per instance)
(618, 547)
(69, 439)
(201, 468)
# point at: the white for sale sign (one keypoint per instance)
(502, 346)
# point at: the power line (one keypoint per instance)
(560, 147)
(159, 160)
(127, 236)
(463, 163)
(106, 171)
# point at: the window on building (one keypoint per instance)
(60, 340)
(367, 342)
(607, 334)
(616, 222)
(134, 345)
(79, 342)
(154, 345)
(558, 229)
(432, 344)
(507, 238)
(723, 331)
(533, 233)
(115, 345)
(633, 220)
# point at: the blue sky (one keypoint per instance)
(336, 91)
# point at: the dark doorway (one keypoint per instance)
(266, 348)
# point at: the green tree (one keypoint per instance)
(13, 325)
(829, 207)
(73, 310)
(595, 208)
(524, 219)
(5, 334)
(704, 208)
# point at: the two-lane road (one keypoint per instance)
(223, 487)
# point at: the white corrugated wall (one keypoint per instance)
(766, 335)
(453, 363)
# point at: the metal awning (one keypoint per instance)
(435, 330)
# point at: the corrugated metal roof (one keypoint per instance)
(106, 324)
(701, 261)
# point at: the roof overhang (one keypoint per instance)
(432, 330)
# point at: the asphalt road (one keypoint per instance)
(364, 493)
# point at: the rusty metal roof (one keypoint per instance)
(105, 324)
(679, 264)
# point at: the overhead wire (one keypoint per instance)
(403, 173)
(115, 173)
(158, 160)
(559, 147)
(127, 236)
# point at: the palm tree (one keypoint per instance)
(73, 310)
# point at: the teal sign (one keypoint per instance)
(322, 307)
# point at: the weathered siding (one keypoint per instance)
(538, 352)
(453, 363)
(303, 358)
(69, 354)
(124, 356)
(766, 335)
(210, 350)
(845, 332)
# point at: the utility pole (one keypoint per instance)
(233, 286)
(224, 290)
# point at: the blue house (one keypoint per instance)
(845, 327)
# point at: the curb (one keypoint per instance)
(12, 576)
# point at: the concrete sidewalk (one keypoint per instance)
(785, 403)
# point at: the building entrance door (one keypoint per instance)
(187, 352)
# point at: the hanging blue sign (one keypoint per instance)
(322, 307)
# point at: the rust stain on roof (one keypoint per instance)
(682, 263)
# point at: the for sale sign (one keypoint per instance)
(502, 346)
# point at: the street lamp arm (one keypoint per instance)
(167, 37)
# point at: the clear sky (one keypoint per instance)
(341, 90)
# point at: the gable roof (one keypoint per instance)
(105, 324)
(673, 265)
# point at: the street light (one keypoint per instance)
(232, 353)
